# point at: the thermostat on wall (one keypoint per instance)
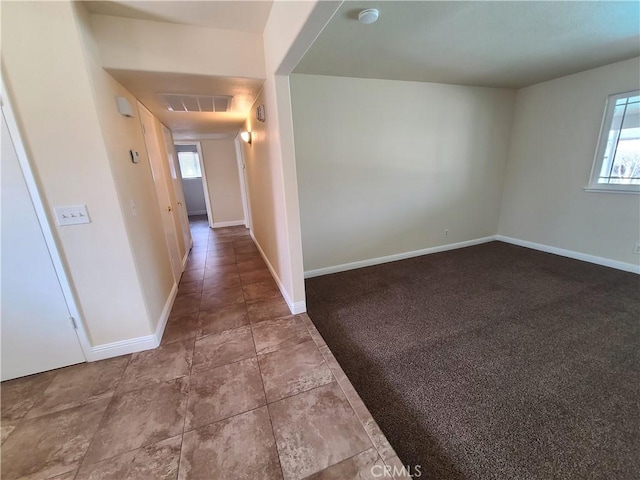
(135, 156)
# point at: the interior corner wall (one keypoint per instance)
(169, 47)
(555, 131)
(47, 77)
(134, 182)
(386, 167)
(223, 179)
(270, 160)
(264, 190)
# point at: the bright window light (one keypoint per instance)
(189, 165)
(617, 163)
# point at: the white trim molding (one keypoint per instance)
(138, 344)
(233, 223)
(585, 257)
(166, 311)
(197, 212)
(185, 259)
(294, 308)
(122, 347)
(395, 257)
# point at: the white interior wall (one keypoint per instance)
(223, 181)
(270, 160)
(133, 44)
(385, 167)
(194, 196)
(134, 182)
(54, 103)
(555, 131)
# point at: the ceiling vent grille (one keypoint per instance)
(197, 103)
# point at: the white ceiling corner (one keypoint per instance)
(484, 43)
(240, 15)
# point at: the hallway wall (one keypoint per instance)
(169, 47)
(271, 168)
(55, 105)
(221, 165)
(378, 181)
(544, 197)
(134, 182)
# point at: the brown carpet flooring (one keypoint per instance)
(493, 361)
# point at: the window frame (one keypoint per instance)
(603, 138)
(196, 164)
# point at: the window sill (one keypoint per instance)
(607, 189)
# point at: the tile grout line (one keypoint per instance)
(344, 460)
(186, 407)
(273, 433)
(102, 417)
(373, 443)
(148, 444)
(351, 402)
(26, 414)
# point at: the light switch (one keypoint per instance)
(72, 215)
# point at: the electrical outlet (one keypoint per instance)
(72, 215)
(446, 233)
(636, 250)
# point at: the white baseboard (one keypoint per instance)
(393, 258)
(233, 223)
(298, 307)
(138, 344)
(197, 212)
(186, 257)
(295, 308)
(123, 347)
(166, 311)
(585, 257)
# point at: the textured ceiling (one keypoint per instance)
(498, 44)
(241, 15)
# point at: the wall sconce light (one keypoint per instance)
(246, 136)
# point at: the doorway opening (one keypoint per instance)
(194, 182)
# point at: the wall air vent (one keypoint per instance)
(196, 103)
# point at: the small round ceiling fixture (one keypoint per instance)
(368, 16)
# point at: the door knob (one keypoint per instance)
(180, 203)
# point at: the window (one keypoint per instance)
(189, 165)
(617, 163)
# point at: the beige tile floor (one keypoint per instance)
(239, 388)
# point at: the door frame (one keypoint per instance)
(205, 184)
(161, 185)
(45, 222)
(178, 190)
(244, 192)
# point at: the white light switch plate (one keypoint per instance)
(72, 215)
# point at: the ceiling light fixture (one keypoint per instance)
(246, 136)
(368, 16)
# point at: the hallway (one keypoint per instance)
(239, 388)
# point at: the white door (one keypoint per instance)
(37, 333)
(176, 178)
(153, 143)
